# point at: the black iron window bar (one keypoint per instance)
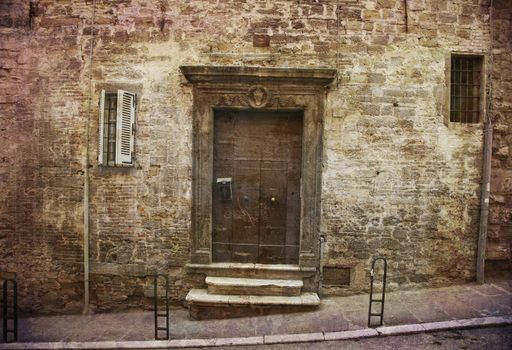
(109, 128)
(465, 88)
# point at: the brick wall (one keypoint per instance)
(397, 179)
(43, 104)
(500, 218)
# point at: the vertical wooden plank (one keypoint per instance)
(246, 198)
(222, 221)
(293, 190)
(273, 206)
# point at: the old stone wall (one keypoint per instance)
(398, 179)
(500, 218)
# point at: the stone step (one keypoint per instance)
(203, 305)
(253, 286)
(249, 270)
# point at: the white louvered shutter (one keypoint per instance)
(125, 127)
(101, 126)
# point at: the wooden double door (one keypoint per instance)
(256, 186)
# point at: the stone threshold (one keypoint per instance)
(493, 321)
(201, 296)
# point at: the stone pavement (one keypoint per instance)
(335, 314)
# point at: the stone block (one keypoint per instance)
(252, 286)
(376, 78)
(447, 18)
(386, 3)
(135, 270)
(498, 251)
(402, 329)
(485, 321)
(355, 334)
(293, 338)
(369, 15)
(239, 341)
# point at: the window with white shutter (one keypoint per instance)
(116, 128)
(125, 127)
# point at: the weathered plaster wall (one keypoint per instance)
(397, 180)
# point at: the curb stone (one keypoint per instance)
(271, 339)
(445, 325)
(294, 338)
(346, 335)
(401, 329)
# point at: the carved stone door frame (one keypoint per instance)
(254, 88)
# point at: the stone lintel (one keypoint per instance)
(215, 74)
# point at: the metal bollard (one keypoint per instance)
(161, 315)
(383, 295)
(13, 316)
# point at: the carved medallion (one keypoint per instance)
(258, 96)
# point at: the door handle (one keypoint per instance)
(273, 199)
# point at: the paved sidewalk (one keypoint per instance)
(335, 314)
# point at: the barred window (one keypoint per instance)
(116, 128)
(466, 89)
(109, 127)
